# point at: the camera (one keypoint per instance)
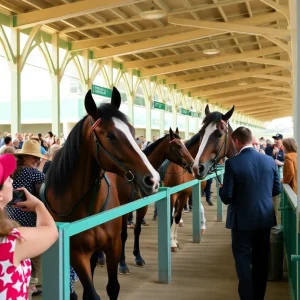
(18, 196)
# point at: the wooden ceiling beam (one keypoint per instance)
(221, 100)
(66, 11)
(209, 62)
(212, 92)
(285, 79)
(154, 43)
(278, 97)
(265, 61)
(270, 17)
(235, 27)
(172, 40)
(227, 78)
(121, 38)
(277, 88)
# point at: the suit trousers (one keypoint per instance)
(251, 254)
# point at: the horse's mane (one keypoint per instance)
(153, 145)
(214, 117)
(193, 140)
(65, 162)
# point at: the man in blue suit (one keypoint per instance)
(250, 181)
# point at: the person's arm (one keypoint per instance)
(288, 171)
(35, 240)
(226, 191)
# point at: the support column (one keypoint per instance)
(162, 124)
(187, 127)
(15, 83)
(148, 118)
(130, 102)
(55, 87)
(174, 117)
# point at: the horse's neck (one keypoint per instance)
(231, 151)
(87, 171)
(194, 149)
(158, 155)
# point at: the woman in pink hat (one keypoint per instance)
(19, 244)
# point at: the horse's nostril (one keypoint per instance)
(201, 168)
(149, 181)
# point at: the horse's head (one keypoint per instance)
(178, 153)
(116, 149)
(216, 142)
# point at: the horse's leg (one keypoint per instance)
(81, 262)
(93, 261)
(180, 204)
(113, 253)
(140, 214)
(123, 269)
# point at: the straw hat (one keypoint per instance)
(31, 147)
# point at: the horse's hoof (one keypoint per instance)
(123, 270)
(140, 262)
(174, 249)
(101, 262)
(177, 245)
(181, 224)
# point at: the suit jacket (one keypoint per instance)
(290, 170)
(250, 181)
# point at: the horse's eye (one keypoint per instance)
(110, 136)
(179, 146)
(220, 135)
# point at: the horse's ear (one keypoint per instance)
(228, 115)
(90, 105)
(116, 98)
(177, 131)
(171, 134)
(207, 111)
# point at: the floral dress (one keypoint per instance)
(14, 281)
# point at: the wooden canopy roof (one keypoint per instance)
(252, 70)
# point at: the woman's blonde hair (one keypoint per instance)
(289, 145)
(6, 224)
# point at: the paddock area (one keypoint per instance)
(199, 271)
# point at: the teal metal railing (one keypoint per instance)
(289, 221)
(56, 260)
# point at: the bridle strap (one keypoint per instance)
(183, 162)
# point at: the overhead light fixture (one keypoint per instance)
(211, 51)
(153, 14)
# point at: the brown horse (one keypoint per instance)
(101, 141)
(168, 147)
(222, 144)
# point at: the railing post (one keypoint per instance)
(196, 196)
(219, 202)
(66, 265)
(53, 272)
(164, 245)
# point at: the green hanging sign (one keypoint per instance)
(194, 114)
(101, 91)
(185, 112)
(159, 105)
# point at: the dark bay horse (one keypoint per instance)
(168, 147)
(221, 144)
(77, 187)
